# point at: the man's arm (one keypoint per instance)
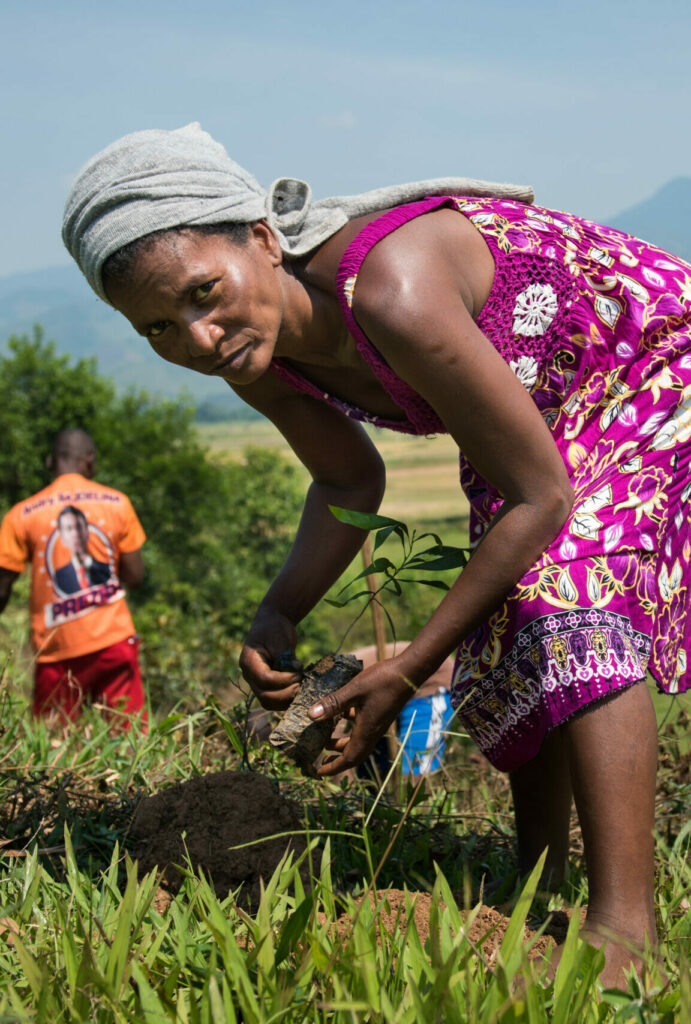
(131, 568)
(7, 578)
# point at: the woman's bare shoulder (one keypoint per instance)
(441, 243)
(427, 257)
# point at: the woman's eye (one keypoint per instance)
(157, 329)
(202, 291)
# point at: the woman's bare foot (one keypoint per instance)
(623, 956)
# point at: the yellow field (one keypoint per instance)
(422, 473)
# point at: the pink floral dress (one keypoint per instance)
(597, 327)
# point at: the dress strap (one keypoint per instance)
(353, 257)
(422, 417)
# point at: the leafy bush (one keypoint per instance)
(218, 410)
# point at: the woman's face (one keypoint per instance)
(206, 302)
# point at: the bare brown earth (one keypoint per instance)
(485, 926)
(199, 822)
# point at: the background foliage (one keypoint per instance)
(216, 533)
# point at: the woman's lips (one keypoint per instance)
(232, 360)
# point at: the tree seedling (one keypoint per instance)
(297, 735)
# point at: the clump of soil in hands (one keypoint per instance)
(297, 735)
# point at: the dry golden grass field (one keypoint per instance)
(422, 473)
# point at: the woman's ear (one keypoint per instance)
(266, 238)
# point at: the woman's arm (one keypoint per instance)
(409, 300)
(346, 470)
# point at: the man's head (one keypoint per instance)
(73, 452)
(74, 530)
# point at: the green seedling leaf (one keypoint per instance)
(378, 565)
(227, 725)
(435, 537)
(347, 600)
(436, 560)
(384, 534)
(364, 520)
(439, 584)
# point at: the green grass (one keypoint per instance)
(83, 939)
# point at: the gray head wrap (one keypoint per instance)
(152, 180)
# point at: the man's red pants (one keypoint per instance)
(110, 677)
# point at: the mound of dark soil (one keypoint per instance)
(201, 820)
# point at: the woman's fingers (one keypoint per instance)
(334, 766)
(372, 704)
(274, 690)
(337, 743)
(351, 753)
(276, 700)
(333, 705)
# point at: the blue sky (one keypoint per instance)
(588, 101)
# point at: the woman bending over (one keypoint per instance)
(557, 353)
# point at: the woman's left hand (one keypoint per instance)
(372, 701)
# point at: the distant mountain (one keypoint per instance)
(81, 325)
(664, 219)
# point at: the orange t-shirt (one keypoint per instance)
(72, 532)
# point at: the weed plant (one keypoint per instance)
(84, 938)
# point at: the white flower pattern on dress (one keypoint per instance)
(525, 368)
(535, 309)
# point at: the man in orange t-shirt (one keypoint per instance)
(83, 541)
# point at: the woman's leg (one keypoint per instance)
(612, 756)
(542, 803)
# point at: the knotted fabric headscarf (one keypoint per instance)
(153, 180)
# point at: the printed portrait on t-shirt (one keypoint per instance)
(72, 568)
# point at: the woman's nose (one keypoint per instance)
(203, 337)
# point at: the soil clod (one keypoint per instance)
(297, 735)
(200, 821)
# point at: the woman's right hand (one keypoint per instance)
(271, 635)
